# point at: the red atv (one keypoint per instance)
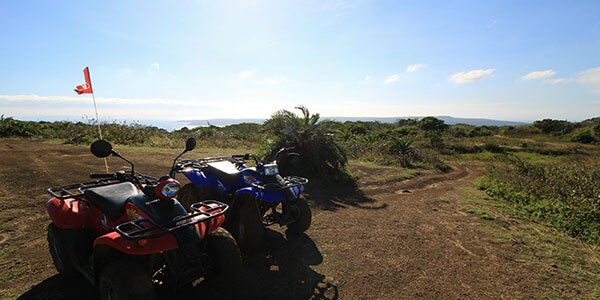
(127, 234)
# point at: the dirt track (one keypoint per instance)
(400, 240)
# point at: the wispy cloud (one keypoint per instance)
(414, 67)
(124, 73)
(590, 77)
(471, 76)
(367, 78)
(392, 78)
(492, 24)
(155, 67)
(538, 75)
(247, 73)
(83, 99)
(557, 80)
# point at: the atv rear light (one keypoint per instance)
(142, 243)
(271, 169)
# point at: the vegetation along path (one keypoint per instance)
(432, 236)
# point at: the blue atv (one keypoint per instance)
(258, 196)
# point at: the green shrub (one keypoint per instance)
(565, 196)
(432, 124)
(584, 137)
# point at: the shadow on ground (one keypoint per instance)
(58, 288)
(280, 269)
(333, 198)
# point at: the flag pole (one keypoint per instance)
(98, 124)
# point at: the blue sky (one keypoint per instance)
(510, 60)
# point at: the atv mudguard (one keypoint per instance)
(198, 178)
(137, 247)
(70, 213)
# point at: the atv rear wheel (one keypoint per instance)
(304, 217)
(125, 280)
(246, 226)
(60, 256)
(226, 258)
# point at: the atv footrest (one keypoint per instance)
(147, 229)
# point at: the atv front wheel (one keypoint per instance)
(188, 195)
(226, 258)
(125, 280)
(191, 193)
(303, 218)
(247, 224)
(60, 256)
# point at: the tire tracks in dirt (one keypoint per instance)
(418, 246)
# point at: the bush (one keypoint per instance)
(555, 127)
(584, 137)
(402, 148)
(431, 124)
(564, 196)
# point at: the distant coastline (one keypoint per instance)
(447, 119)
(178, 124)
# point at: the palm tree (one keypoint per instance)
(320, 155)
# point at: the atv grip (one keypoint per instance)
(102, 175)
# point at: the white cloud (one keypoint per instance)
(557, 80)
(124, 73)
(471, 76)
(392, 78)
(85, 99)
(539, 75)
(367, 78)
(155, 67)
(247, 73)
(590, 77)
(414, 67)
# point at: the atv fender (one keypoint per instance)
(247, 190)
(197, 178)
(137, 247)
(70, 213)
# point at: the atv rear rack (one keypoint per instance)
(200, 163)
(133, 230)
(288, 182)
(76, 190)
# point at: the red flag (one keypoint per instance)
(85, 88)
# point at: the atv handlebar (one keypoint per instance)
(102, 175)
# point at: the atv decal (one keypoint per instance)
(220, 187)
(132, 214)
(104, 223)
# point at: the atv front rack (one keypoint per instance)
(287, 182)
(134, 230)
(76, 190)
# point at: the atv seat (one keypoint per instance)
(225, 171)
(110, 199)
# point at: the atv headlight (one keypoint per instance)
(271, 169)
(168, 188)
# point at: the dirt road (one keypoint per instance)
(400, 240)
